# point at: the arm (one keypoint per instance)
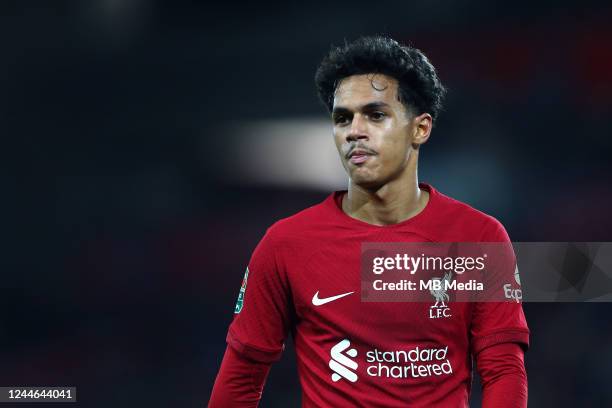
(256, 336)
(499, 332)
(503, 377)
(239, 383)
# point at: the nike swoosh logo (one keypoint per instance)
(318, 302)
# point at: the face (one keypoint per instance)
(373, 132)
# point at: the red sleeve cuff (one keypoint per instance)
(519, 336)
(503, 377)
(239, 383)
(259, 354)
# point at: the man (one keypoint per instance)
(304, 276)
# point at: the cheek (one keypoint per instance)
(338, 139)
(341, 148)
(395, 149)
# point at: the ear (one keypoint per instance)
(422, 129)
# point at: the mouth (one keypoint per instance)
(359, 156)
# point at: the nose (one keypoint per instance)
(358, 129)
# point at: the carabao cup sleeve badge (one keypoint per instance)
(240, 300)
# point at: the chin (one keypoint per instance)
(367, 182)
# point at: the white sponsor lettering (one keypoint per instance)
(414, 363)
(418, 362)
(511, 293)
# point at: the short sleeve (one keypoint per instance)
(498, 322)
(262, 312)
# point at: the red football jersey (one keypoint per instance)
(304, 279)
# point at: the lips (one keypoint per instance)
(359, 156)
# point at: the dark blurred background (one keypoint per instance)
(147, 146)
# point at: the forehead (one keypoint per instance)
(358, 90)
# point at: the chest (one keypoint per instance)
(329, 297)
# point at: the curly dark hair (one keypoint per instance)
(420, 89)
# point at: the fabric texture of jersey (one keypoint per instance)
(354, 353)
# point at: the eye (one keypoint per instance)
(377, 116)
(340, 119)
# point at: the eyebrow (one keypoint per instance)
(367, 106)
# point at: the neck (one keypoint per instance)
(391, 203)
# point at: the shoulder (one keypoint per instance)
(467, 221)
(302, 223)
